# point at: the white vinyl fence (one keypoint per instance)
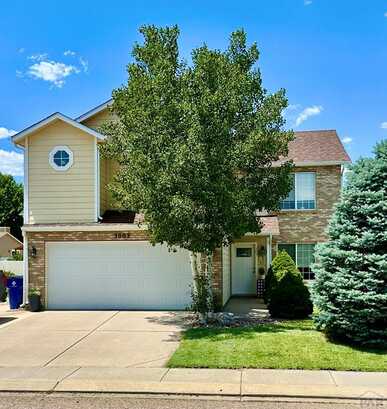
(15, 267)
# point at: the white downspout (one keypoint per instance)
(96, 183)
(26, 220)
(269, 250)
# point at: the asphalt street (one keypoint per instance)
(73, 401)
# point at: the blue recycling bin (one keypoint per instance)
(15, 291)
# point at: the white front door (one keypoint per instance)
(243, 272)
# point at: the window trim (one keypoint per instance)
(295, 194)
(54, 151)
(296, 255)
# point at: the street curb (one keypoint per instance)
(248, 392)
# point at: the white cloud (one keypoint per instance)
(383, 125)
(5, 133)
(385, 14)
(307, 2)
(308, 112)
(292, 107)
(11, 163)
(38, 57)
(347, 139)
(52, 71)
(84, 63)
(55, 72)
(69, 53)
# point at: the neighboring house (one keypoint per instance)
(82, 251)
(8, 243)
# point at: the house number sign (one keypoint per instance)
(122, 235)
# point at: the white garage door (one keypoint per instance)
(116, 275)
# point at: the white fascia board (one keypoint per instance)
(26, 210)
(25, 269)
(94, 111)
(57, 115)
(80, 227)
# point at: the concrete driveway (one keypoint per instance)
(91, 339)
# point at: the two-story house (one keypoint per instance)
(83, 252)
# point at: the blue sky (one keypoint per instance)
(330, 56)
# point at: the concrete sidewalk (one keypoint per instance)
(253, 383)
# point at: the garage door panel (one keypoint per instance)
(127, 275)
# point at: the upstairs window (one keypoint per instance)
(61, 158)
(303, 194)
(303, 256)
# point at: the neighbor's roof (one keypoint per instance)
(8, 234)
(55, 117)
(317, 147)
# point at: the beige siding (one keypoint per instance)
(108, 167)
(98, 119)
(61, 197)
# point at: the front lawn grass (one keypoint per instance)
(285, 345)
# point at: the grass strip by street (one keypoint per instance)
(281, 345)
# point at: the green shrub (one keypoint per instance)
(286, 294)
(350, 289)
(290, 298)
(281, 263)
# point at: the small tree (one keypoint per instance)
(287, 295)
(195, 145)
(11, 204)
(350, 289)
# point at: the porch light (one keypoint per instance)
(33, 251)
(262, 251)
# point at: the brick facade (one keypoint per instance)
(296, 226)
(303, 226)
(38, 240)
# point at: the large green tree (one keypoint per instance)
(196, 142)
(350, 289)
(11, 204)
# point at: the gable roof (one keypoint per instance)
(317, 147)
(94, 111)
(54, 117)
(5, 233)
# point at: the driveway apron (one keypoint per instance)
(91, 339)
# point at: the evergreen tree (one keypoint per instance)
(287, 295)
(350, 290)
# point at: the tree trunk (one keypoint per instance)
(201, 267)
(208, 269)
(194, 266)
